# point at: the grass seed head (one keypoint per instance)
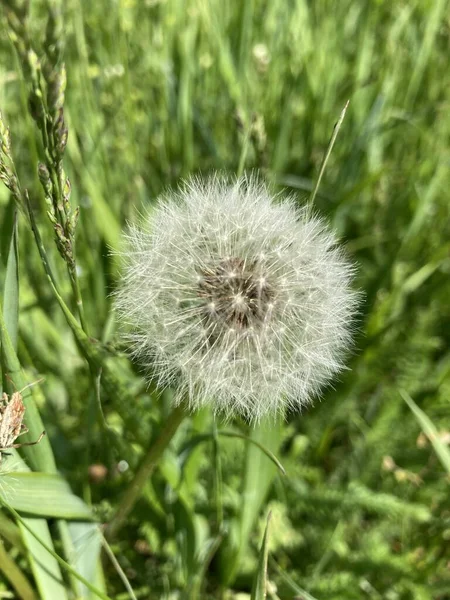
(239, 301)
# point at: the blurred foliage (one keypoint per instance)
(159, 89)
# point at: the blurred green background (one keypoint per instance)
(157, 90)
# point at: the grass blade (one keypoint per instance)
(86, 543)
(45, 542)
(45, 568)
(11, 289)
(259, 473)
(42, 494)
(301, 593)
(9, 531)
(429, 430)
(328, 153)
(263, 448)
(13, 572)
(259, 591)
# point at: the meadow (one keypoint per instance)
(106, 105)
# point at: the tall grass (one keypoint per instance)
(158, 90)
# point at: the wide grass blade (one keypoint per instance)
(46, 544)
(43, 494)
(260, 469)
(11, 288)
(87, 543)
(46, 571)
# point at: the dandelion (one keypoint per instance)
(237, 299)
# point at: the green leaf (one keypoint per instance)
(42, 494)
(9, 531)
(299, 591)
(14, 574)
(11, 289)
(39, 457)
(34, 541)
(7, 230)
(429, 430)
(263, 448)
(260, 470)
(86, 546)
(431, 30)
(45, 568)
(194, 589)
(7, 235)
(259, 591)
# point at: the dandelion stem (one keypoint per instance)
(145, 470)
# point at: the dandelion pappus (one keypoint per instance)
(236, 299)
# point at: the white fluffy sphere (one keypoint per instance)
(239, 301)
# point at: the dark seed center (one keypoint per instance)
(236, 294)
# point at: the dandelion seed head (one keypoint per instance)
(239, 301)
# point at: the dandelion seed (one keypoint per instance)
(237, 300)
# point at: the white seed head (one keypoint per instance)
(237, 301)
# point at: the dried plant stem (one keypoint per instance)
(145, 470)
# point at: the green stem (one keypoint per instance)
(150, 461)
(108, 550)
(73, 323)
(244, 151)
(78, 298)
(218, 495)
(92, 352)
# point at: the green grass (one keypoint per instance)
(158, 90)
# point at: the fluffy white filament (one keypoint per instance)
(236, 300)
